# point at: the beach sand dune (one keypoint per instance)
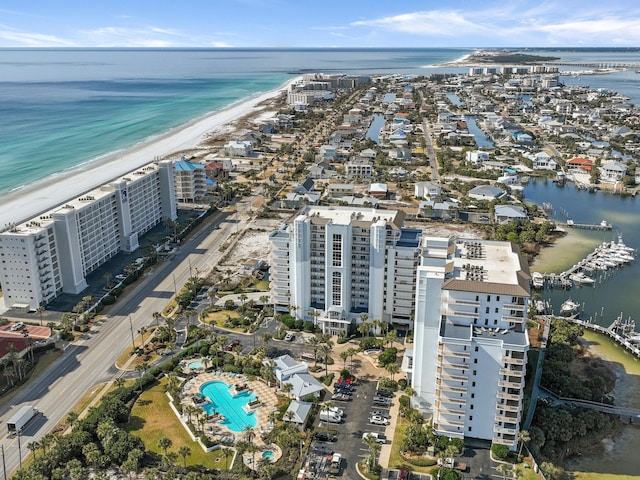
(32, 200)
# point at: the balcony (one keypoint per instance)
(505, 430)
(506, 419)
(452, 353)
(513, 306)
(449, 364)
(443, 374)
(513, 360)
(511, 372)
(507, 384)
(450, 388)
(506, 440)
(447, 409)
(512, 319)
(450, 312)
(509, 396)
(443, 399)
(507, 407)
(446, 421)
(460, 301)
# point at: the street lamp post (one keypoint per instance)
(133, 339)
(4, 465)
(19, 450)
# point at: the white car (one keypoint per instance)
(380, 438)
(289, 337)
(378, 420)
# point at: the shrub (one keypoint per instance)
(499, 451)
(108, 300)
(419, 462)
(402, 383)
(390, 355)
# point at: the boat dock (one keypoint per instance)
(592, 269)
(603, 225)
(622, 338)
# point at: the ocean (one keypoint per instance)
(61, 108)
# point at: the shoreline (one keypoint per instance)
(24, 203)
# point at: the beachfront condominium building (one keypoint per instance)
(55, 251)
(469, 357)
(340, 266)
(191, 181)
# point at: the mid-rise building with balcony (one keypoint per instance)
(338, 266)
(55, 251)
(470, 342)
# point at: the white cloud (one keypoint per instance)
(10, 37)
(433, 22)
(519, 23)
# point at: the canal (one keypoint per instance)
(373, 132)
(482, 141)
(612, 294)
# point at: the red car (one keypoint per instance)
(232, 345)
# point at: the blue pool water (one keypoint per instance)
(194, 365)
(230, 406)
(267, 454)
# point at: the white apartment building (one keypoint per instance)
(334, 264)
(191, 181)
(359, 167)
(470, 342)
(54, 252)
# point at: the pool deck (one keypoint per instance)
(264, 393)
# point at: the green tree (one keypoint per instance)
(184, 451)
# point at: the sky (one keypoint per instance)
(328, 23)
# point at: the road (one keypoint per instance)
(91, 360)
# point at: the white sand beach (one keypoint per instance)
(21, 205)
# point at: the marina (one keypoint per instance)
(589, 271)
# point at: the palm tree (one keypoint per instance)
(227, 453)
(314, 342)
(72, 417)
(344, 355)
(505, 469)
(523, 436)
(351, 351)
(142, 331)
(287, 388)
(265, 337)
(119, 382)
(165, 443)
(374, 449)
(325, 350)
(392, 368)
(33, 446)
(40, 311)
(184, 451)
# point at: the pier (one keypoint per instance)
(603, 225)
(610, 332)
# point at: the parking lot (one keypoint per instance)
(355, 423)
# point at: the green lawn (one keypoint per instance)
(152, 418)
(219, 318)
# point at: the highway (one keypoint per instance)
(90, 360)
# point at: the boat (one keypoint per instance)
(569, 308)
(537, 280)
(621, 246)
(581, 278)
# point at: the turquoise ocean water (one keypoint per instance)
(60, 108)
(63, 108)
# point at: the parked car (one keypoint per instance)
(380, 438)
(289, 337)
(384, 393)
(378, 420)
(231, 345)
(379, 413)
(342, 397)
(346, 391)
(382, 401)
(325, 437)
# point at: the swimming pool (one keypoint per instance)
(268, 454)
(194, 365)
(230, 406)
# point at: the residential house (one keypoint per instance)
(508, 213)
(238, 148)
(477, 156)
(612, 171)
(486, 192)
(427, 189)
